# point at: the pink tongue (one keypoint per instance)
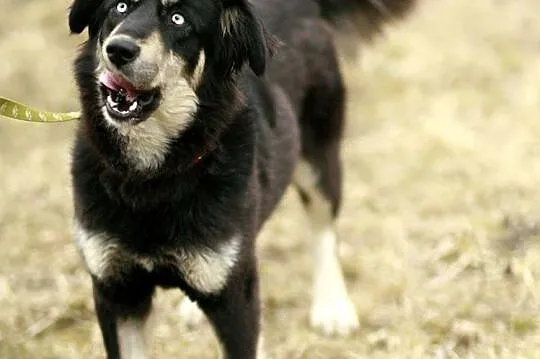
(116, 83)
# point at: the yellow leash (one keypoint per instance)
(18, 111)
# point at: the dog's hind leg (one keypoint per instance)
(122, 314)
(332, 311)
(318, 180)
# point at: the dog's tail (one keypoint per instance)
(365, 18)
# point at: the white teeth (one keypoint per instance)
(111, 102)
(133, 106)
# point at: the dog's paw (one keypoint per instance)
(190, 313)
(334, 316)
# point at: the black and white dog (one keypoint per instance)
(183, 152)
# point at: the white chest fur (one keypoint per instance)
(206, 270)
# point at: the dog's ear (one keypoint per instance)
(243, 39)
(82, 14)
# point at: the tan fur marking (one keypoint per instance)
(102, 258)
(152, 59)
(229, 20)
(169, 2)
(207, 271)
(199, 69)
(147, 143)
(204, 269)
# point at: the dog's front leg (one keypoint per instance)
(235, 313)
(122, 311)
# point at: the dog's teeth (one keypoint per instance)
(133, 106)
(111, 102)
(120, 95)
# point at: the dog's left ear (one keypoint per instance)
(244, 39)
(82, 14)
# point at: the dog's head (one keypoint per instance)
(152, 56)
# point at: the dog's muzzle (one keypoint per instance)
(122, 51)
(123, 100)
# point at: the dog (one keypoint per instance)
(196, 117)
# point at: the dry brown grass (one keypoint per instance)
(440, 223)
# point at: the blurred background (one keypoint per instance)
(441, 216)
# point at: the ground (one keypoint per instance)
(441, 216)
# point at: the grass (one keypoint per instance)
(441, 217)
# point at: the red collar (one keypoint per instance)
(199, 156)
(197, 159)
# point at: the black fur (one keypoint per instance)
(248, 132)
(366, 17)
(245, 40)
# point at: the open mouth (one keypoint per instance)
(124, 102)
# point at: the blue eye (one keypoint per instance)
(121, 7)
(178, 19)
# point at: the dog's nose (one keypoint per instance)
(122, 51)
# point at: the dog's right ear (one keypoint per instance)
(242, 39)
(82, 14)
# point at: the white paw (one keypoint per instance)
(334, 316)
(190, 313)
